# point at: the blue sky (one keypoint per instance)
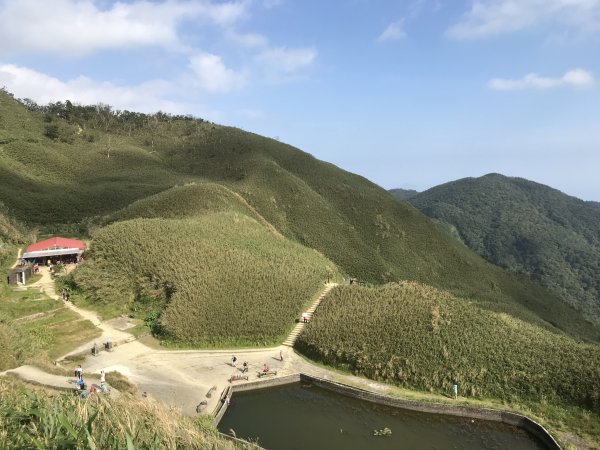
(406, 93)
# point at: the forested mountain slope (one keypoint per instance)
(81, 167)
(525, 227)
(403, 194)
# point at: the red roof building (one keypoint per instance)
(56, 243)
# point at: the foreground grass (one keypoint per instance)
(33, 419)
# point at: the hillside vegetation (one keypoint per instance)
(419, 337)
(221, 279)
(525, 227)
(77, 167)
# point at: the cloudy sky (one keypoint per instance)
(406, 93)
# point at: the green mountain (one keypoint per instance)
(525, 227)
(79, 168)
(403, 194)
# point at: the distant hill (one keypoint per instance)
(403, 194)
(525, 227)
(86, 168)
(593, 204)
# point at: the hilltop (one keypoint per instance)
(525, 227)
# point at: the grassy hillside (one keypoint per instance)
(221, 279)
(67, 180)
(416, 336)
(525, 227)
(97, 162)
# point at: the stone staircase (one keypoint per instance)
(291, 339)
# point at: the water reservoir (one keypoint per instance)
(304, 416)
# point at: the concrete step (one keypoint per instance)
(291, 339)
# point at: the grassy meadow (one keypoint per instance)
(220, 279)
(419, 337)
(29, 339)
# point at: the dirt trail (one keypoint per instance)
(46, 286)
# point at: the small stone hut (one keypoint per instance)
(19, 275)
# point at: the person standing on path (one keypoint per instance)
(305, 317)
(280, 356)
(102, 377)
(79, 372)
(233, 361)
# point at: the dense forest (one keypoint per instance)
(525, 227)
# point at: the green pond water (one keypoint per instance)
(307, 417)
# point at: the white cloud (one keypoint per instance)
(213, 76)
(78, 27)
(149, 96)
(575, 78)
(286, 61)
(394, 32)
(495, 17)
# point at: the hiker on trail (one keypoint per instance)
(233, 360)
(79, 372)
(102, 377)
(245, 367)
(455, 391)
(280, 356)
(305, 317)
(265, 368)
